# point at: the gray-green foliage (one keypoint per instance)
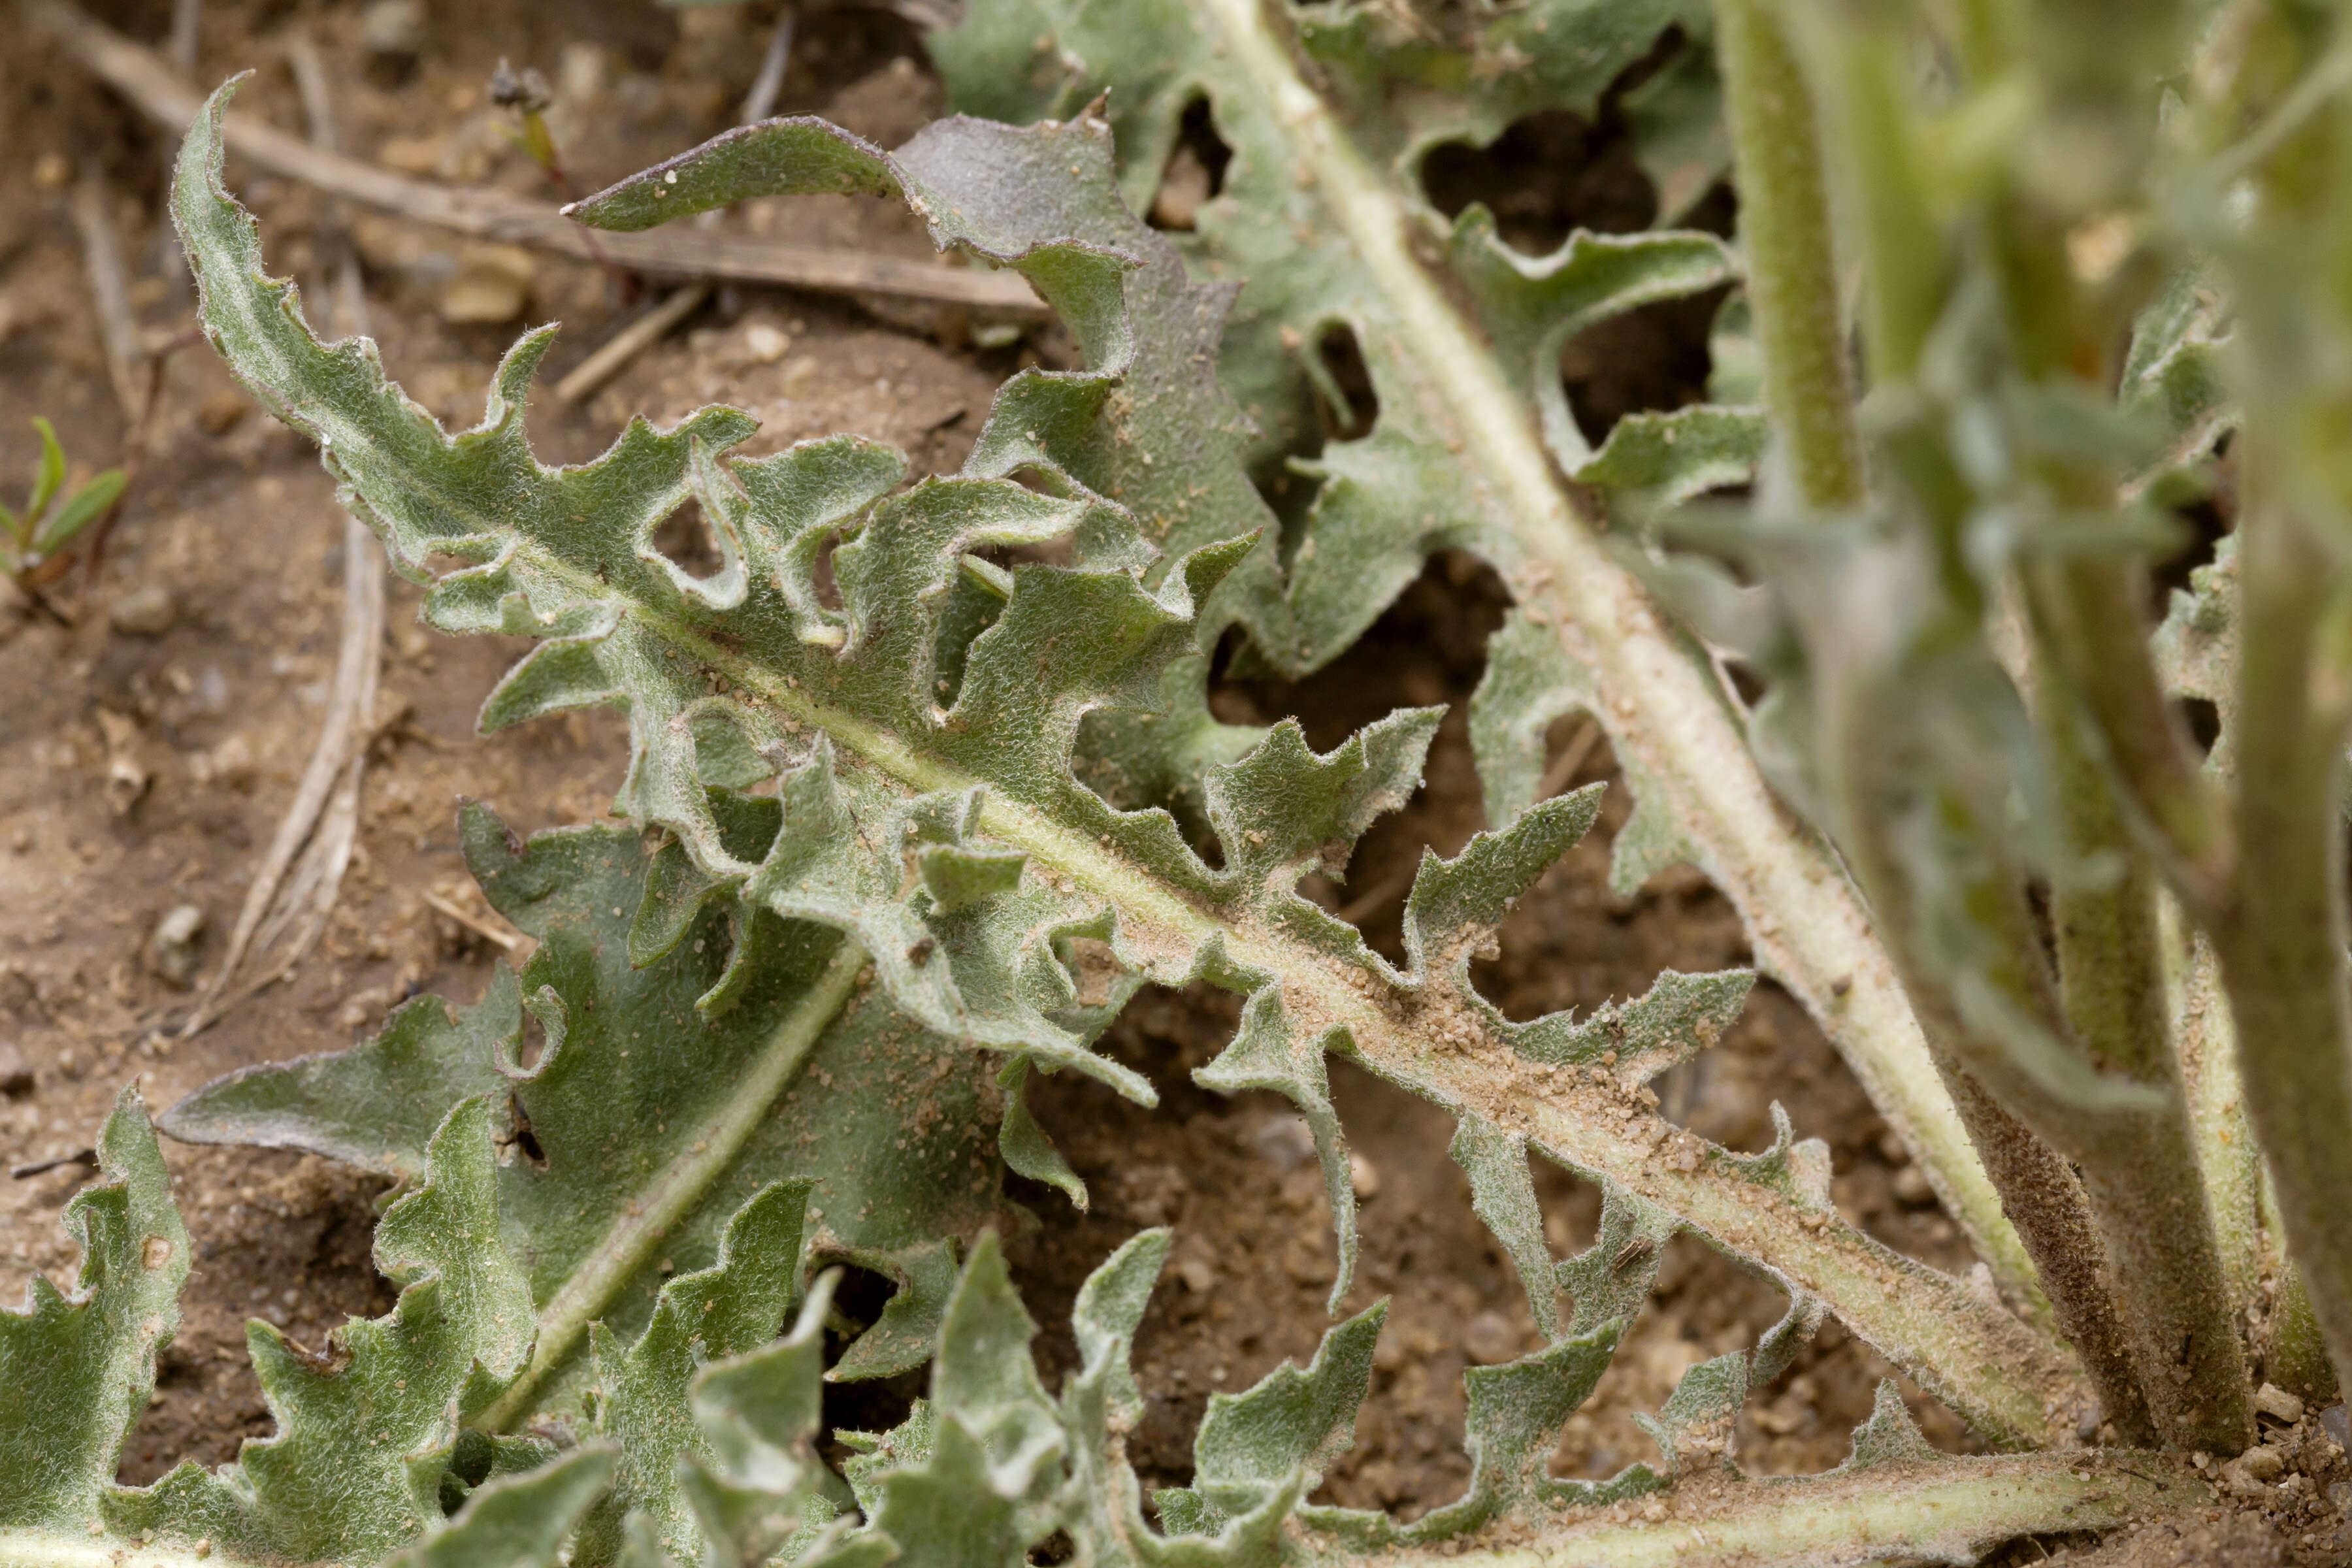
(1275, 811)
(881, 768)
(1323, 225)
(705, 1455)
(664, 1096)
(75, 1370)
(1385, 501)
(940, 832)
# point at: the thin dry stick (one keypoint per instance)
(505, 939)
(631, 340)
(187, 28)
(321, 824)
(1571, 757)
(678, 251)
(101, 256)
(654, 324)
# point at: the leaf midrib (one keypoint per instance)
(38, 1548)
(1994, 1368)
(637, 1235)
(1808, 930)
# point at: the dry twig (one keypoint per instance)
(506, 941)
(641, 334)
(101, 256)
(677, 252)
(654, 324)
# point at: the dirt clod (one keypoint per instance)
(146, 611)
(172, 948)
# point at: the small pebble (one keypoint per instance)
(1363, 1175)
(221, 409)
(173, 947)
(492, 285)
(2333, 1421)
(146, 611)
(1912, 1188)
(15, 1077)
(1195, 1274)
(766, 344)
(1490, 1338)
(393, 30)
(2278, 1403)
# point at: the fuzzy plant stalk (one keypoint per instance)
(2013, 275)
(2281, 929)
(1787, 238)
(2133, 794)
(1793, 294)
(2117, 751)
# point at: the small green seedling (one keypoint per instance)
(31, 540)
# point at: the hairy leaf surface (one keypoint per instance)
(879, 780)
(1327, 110)
(75, 1370)
(663, 1099)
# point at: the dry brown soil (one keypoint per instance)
(234, 523)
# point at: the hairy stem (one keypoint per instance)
(1939, 1513)
(1785, 229)
(2283, 941)
(2226, 1156)
(2140, 1169)
(1810, 931)
(2296, 1357)
(2096, 639)
(2039, 1192)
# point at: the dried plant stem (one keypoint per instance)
(164, 96)
(650, 327)
(110, 294)
(643, 332)
(2282, 939)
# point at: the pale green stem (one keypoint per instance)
(1786, 234)
(2294, 1354)
(2039, 1188)
(638, 1234)
(2226, 1155)
(2282, 943)
(2140, 1169)
(1948, 1511)
(2296, 1357)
